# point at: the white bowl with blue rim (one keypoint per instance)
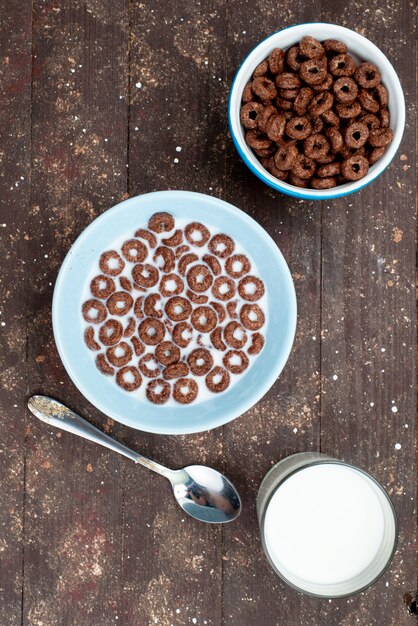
(103, 393)
(362, 50)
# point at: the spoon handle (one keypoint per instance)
(56, 414)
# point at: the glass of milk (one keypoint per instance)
(328, 528)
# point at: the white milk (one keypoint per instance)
(324, 525)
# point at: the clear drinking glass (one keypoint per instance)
(354, 517)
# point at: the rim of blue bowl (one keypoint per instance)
(277, 185)
(242, 406)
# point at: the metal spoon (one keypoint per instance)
(202, 492)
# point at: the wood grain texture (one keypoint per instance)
(15, 93)
(121, 98)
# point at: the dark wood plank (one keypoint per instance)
(287, 419)
(15, 88)
(368, 334)
(173, 575)
(74, 543)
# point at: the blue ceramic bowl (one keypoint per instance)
(362, 50)
(68, 325)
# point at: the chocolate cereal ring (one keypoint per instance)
(335, 138)
(130, 328)
(368, 101)
(176, 370)
(342, 65)
(252, 316)
(316, 146)
(285, 157)
(161, 222)
(354, 167)
(200, 361)
(313, 71)
(213, 263)
(185, 260)
(276, 61)
(320, 103)
(171, 285)
(264, 88)
(297, 182)
(261, 69)
(294, 58)
(199, 278)
(110, 332)
(138, 307)
(223, 288)
(152, 305)
(204, 319)
(236, 361)
(145, 275)
(185, 390)
(167, 353)
(181, 250)
(138, 346)
(220, 310)
(151, 331)
(164, 257)
(111, 263)
(218, 379)
(275, 127)
(347, 111)
(150, 238)
(380, 137)
(264, 117)
(89, 339)
(288, 94)
(103, 365)
(299, 127)
(288, 80)
(368, 75)
(303, 167)
(256, 140)
(134, 251)
(302, 100)
(119, 303)
(331, 119)
(235, 335)
(251, 288)
(323, 183)
(237, 265)
(129, 378)
(257, 344)
(356, 135)
(284, 105)
(125, 283)
(311, 48)
(174, 240)
(231, 307)
(221, 246)
(178, 309)
(345, 90)
(331, 169)
(325, 85)
(120, 354)
(94, 311)
(317, 124)
(384, 118)
(158, 391)
(102, 286)
(382, 95)
(333, 46)
(149, 366)
(216, 339)
(325, 160)
(376, 154)
(249, 115)
(247, 94)
(195, 298)
(182, 334)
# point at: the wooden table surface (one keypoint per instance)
(96, 95)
